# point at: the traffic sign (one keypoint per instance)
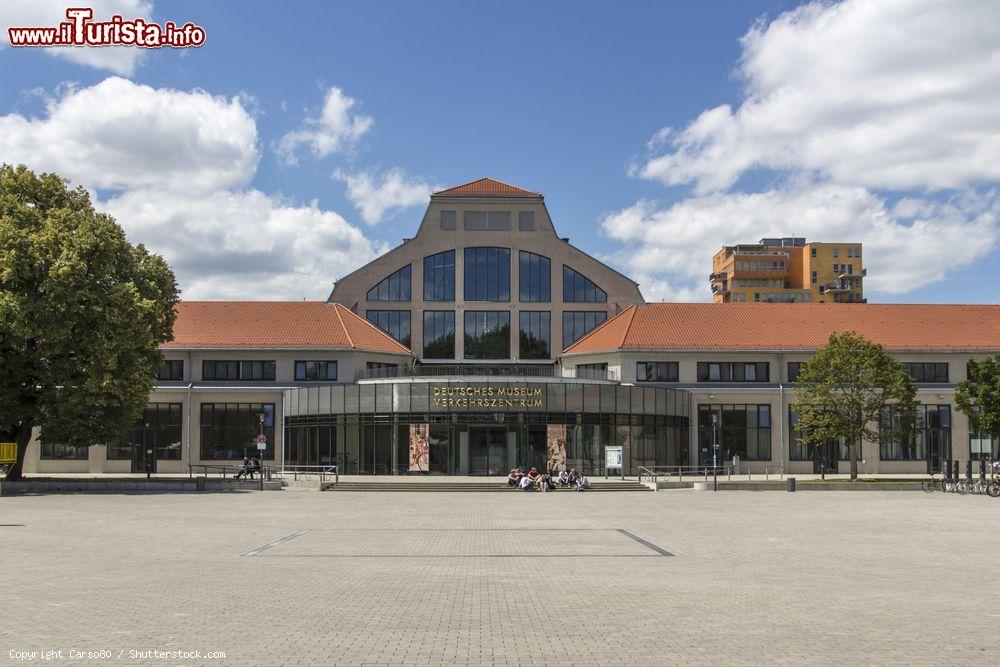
(261, 442)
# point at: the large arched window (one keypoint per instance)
(439, 276)
(535, 277)
(487, 274)
(396, 287)
(577, 287)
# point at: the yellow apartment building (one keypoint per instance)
(788, 270)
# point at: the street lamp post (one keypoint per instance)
(260, 452)
(715, 454)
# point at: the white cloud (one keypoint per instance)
(336, 129)
(243, 245)
(180, 163)
(380, 197)
(118, 134)
(888, 95)
(879, 118)
(670, 249)
(49, 13)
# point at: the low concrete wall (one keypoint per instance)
(819, 486)
(42, 485)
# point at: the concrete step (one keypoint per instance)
(469, 487)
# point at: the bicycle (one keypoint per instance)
(933, 484)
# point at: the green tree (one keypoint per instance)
(843, 389)
(979, 396)
(82, 315)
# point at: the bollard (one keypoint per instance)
(791, 484)
(199, 483)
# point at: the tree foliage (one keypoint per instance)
(82, 315)
(979, 396)
(843, 388)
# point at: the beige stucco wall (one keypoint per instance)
(779, 395)
(352, 289)
(192, 392)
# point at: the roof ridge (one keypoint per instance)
(634, 308)
(365, 322)
(599, 327)
(336, 309)
(489, 179)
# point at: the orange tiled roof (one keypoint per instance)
(486, 187)
(794, 326)
(314, 325)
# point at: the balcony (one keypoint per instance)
(835, 287)
(720, 289)
(714, 277)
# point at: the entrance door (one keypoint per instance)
(938, 450)
(487, 450)
(143, 452)
(825, 455)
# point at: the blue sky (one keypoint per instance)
(566, 98)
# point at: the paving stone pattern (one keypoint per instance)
(424, 578)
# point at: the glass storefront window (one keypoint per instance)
(981, 445)
(568, 428)
(229, 430)
(930, 437)
(742, 430)
(159, 428)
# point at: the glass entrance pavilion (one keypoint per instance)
(459, 427)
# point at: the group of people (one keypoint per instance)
(250, 466)
(537, 481)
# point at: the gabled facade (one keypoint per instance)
(486, 279)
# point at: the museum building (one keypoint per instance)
(487, 341)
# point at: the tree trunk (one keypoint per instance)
(22, 437)
(854, 458)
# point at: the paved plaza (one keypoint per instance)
(687, 577)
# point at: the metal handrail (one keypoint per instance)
(443, 370)
(223, 469)
(322, 471)
(727, 469)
